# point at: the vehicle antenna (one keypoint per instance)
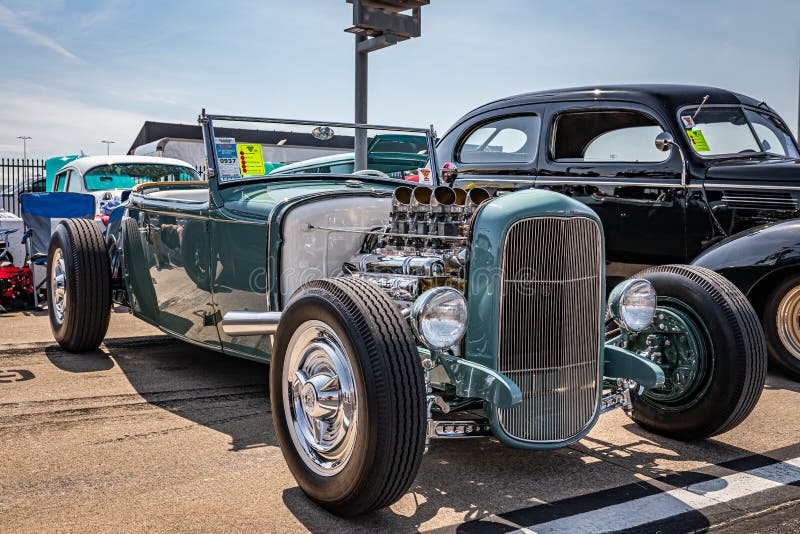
(705, 99)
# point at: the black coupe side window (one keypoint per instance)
(606, 136)
(508, 140)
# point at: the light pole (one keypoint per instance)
(25, 139)
(377, 24)
(108, 145)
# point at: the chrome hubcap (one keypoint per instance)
(788, 321)
(58, 283)
(320, 398)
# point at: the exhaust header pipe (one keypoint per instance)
(250, 323)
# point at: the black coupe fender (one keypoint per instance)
(764, 263)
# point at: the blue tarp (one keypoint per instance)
(40, 209)
(58, 205)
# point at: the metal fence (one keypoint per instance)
(19, 176)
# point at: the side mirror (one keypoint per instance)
(448, 172)
(664, 141)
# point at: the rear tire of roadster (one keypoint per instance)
(716, 362)
(348, 396)
(78, 285)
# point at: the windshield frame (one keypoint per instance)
(206, 122)
(743, 107)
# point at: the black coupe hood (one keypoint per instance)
(762, 170)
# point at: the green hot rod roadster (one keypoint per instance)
(392, 315)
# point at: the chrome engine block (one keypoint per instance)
(425, 244)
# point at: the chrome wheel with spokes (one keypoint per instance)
(59, 285)
(787, 320)
(320, 398)
(780, 315)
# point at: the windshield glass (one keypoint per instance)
(251, 151)
(717, 131)
(396, 156)
(127, 175)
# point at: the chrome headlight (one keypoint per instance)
(439, 317)
(633, 303)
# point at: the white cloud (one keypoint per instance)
(14, 23)
(59, 125)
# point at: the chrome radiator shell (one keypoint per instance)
(551, 305)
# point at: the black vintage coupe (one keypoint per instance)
(677, 174)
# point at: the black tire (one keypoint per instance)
(81, 323)
(390, 440)
(780, 352)
(732, 378)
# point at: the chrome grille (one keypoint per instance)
(761, 200)
(550, 317)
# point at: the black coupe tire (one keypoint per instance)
(783, 334)
(389, 437)
(78, 285)
(734, 374)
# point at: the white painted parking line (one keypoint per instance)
(662, 506)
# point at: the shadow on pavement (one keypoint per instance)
(481, 478)
(777, 379)
(220, 392)
(464, 480)
(87, 362)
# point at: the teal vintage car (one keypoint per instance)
(392, 315)
(391, 155)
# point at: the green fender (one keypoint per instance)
(621, 363)
(473, 380)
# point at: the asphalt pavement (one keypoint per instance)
(152, 434)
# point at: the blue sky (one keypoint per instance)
(74, 73)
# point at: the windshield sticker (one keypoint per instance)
(251, 159)
(698, 140)
(688, 121)
(228, 159)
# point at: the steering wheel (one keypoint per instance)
(371, 172)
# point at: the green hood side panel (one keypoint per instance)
(246, 240)
(256, 201)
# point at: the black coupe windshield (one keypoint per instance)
(717, 131)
